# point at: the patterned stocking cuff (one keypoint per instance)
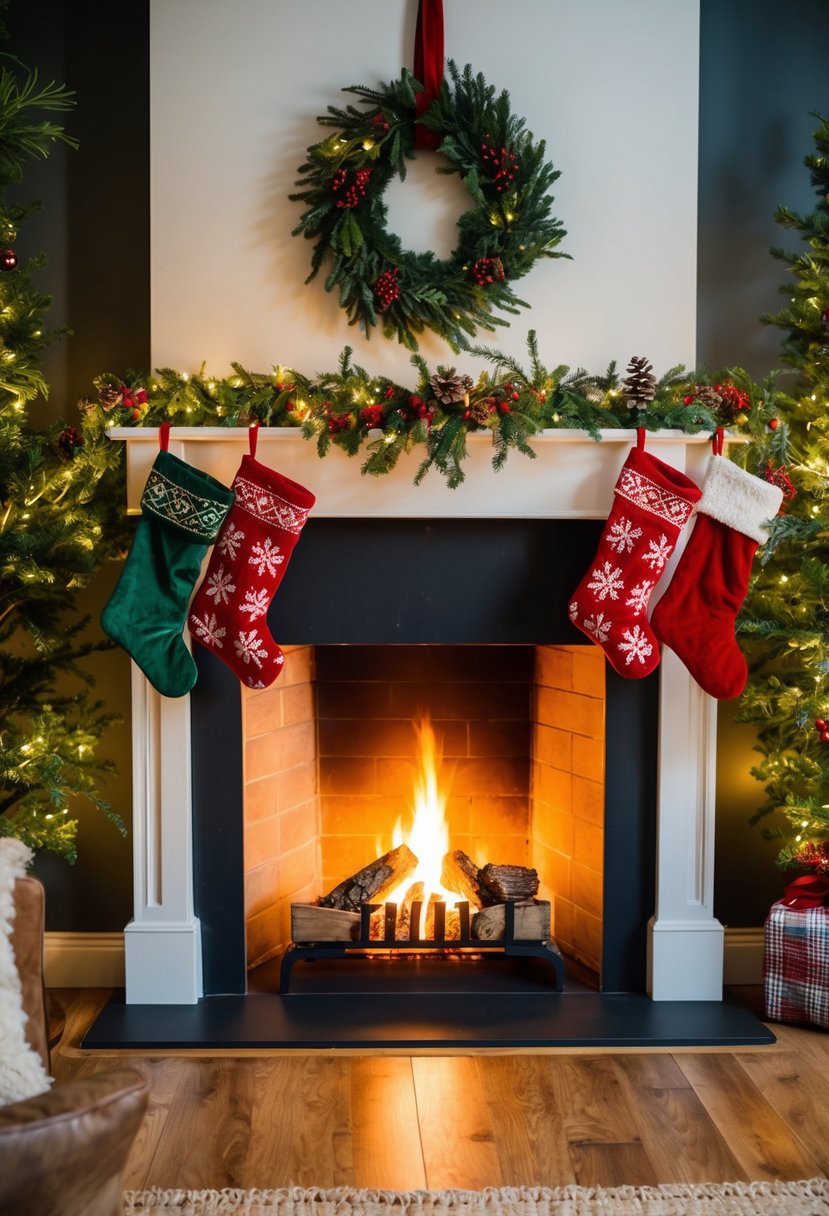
(657, 488)
(271, 498)
(185, 499)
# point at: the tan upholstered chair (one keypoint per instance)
(64, 1152)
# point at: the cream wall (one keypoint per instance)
(611, 85)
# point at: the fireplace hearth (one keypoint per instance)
(533, 526)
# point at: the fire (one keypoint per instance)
(428, 835)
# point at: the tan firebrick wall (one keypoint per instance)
(568, 794)
(282, 825)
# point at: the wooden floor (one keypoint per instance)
(399, 1122)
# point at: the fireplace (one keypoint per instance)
(535, 525)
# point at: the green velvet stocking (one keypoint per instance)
(182, 510)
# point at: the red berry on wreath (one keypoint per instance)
(824, 736)
(69, 439)
(488, 270)
(386, 289)
(820, 724)
(774, 423)
(8, 259)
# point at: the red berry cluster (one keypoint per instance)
(380, 122)
(488, 270)
(503, 162)
(372, 416)
(338, 422)
(815, 855)
(416, 407)
(386, 289)
(780, 477)
(734, 400)
(353, 185)
(822, 729)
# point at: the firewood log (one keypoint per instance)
(532, 922)
(459, 873)
(371, 883)
(310, 923)
(508, 882)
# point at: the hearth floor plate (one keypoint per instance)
(385, 1020)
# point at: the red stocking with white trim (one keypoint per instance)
(696, 616)
(228, 613)
(652, 503)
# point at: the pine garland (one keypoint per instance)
(380, 419)
(500, 238)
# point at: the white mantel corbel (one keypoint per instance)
(572, 478)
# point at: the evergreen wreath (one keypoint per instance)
(502, 235)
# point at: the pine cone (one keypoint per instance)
(639, 386)
(450, 388)
(480, 412)
(706, 395)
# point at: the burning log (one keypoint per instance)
(369, 884)
(404, 916)
(459, 873)
(508, 882)
(310, 924)
(532, 922)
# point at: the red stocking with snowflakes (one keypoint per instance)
(228, 613)
(652, 502)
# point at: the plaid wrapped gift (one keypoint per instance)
(796, 964)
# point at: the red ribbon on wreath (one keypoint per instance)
(808, 891)
(428, 65)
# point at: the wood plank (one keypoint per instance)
(531, 1140)
(204, 1140)
(301, 1127)
(757, 1136)
(676, 1131)
(798, 1094)
(164, 1078)
(387, 1148)
(597, 1121)
(456, 1128)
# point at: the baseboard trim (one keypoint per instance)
(96, 960)
(743, 956)
(84, 960)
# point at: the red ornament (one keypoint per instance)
(386, 289)
(774, 423)
(8, 259)
(338, 422)
(820, 724)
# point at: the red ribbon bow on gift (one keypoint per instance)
(808, 891)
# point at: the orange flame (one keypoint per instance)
(428, 835)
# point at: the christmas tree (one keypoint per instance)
(786, 616)
(53, 530)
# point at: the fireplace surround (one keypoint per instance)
(521, 516)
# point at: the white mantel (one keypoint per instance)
(572, 478)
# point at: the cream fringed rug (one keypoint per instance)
(727, 1199)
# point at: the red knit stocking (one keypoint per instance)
(696, 616)
(652, 502)
(251, 555)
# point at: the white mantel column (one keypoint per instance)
(685, 941)
(162, 942)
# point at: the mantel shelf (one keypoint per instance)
(572, 476)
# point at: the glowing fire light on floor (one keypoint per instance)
(428, 835)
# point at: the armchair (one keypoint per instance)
(63, 1151)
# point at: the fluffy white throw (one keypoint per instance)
(22, 1074)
